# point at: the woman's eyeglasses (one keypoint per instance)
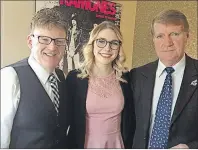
(114, 44)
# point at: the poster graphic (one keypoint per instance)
(82, 16)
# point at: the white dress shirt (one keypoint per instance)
(177, 77)
(10, 96)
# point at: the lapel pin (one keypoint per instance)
(194, 83)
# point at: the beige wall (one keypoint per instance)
(127, 27)
(15, 19)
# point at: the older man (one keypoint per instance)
(166, 91)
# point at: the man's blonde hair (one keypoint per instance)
(174, 17)
(47, 18)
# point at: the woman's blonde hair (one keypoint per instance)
(118, 63)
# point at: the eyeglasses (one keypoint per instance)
(114, 44)
(47, 40)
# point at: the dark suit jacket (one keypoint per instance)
(184, 123)
(77, 93)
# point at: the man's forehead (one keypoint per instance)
(49, 30)
(167, 27)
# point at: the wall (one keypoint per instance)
(127, 28)
(15, 20)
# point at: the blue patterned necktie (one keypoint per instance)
(54, 85)
(160, 131)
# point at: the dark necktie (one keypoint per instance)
(160, 131)
(54, 85)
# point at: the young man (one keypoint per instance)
(31, 89)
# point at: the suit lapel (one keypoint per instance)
(83, 88)
(147, 94)
(186, 89)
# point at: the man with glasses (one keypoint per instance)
(32, 89)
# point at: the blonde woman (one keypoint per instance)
(103, 113)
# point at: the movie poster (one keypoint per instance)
(82, 16)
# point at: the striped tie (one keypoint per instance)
(54, 85)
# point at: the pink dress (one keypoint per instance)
(104, 104)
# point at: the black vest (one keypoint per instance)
(35, 124)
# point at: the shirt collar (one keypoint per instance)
(56, 75)
(41, 73)
(179, 66)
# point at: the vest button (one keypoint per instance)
(58, 125)
(57, 141)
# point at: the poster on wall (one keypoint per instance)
(82, 16)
